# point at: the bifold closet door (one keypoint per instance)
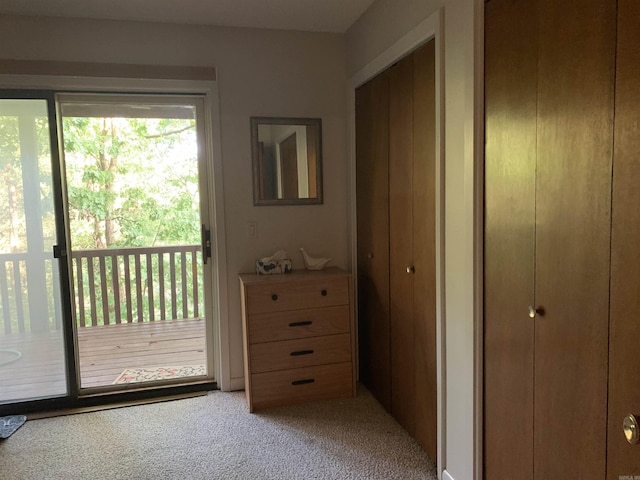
(412, 244)
(549, 136)
(510, 165)
(623, 459)
(372, 184)
(576, 59)
(395, 163)
(401, 260)
(424, 246)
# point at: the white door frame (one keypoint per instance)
(429, 28)
(209, 90)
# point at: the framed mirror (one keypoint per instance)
(287, 161)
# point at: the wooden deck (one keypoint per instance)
(104, 351)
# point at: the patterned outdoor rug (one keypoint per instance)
(10, 424)
(136, 375)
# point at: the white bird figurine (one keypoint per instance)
(313, 263)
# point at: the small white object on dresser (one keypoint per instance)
(299, 337)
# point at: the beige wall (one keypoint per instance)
(376, 31)
(384, 23)
(260, 73)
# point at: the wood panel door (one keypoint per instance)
(401, 259)
(623, 459)
(395, 154)
(549, 114)
(372, 184)
(289, 167)
(510, 165)
(573, 205)
(424, 247)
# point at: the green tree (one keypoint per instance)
(129, 181)
(10, 176)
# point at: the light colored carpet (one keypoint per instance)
(214, 437)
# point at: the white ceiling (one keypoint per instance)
(309, 15)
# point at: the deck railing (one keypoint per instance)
(111, 286)
(139, 284)
(22, 312)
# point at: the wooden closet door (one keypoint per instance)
(395, 152)
(401, 243)
(424, 246)
(372, 185)
(289, 167)
(510, 166)
(624, 354)
(576, 60)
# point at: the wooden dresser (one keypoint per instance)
(299, 337)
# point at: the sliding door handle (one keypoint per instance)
(206, 243)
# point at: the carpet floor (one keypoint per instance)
(215, 437)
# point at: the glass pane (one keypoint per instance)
(32, 355)
(134, 211)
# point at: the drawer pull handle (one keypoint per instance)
(301, 352)
(274, 297)
(324, 293)
(300, 324)
(303, 382)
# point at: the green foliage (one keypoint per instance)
(137, 174)
(131, 182)
(139, 178)
(9, 141)
(12, 197)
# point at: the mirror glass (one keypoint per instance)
(287, 161)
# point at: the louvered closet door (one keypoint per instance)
(372, 183)
(624, 354)
(510, 163)
(576, 61)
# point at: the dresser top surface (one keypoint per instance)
(295, 276)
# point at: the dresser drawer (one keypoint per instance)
(302, 384)
(305, 352)
(273, 326)
(322, 292)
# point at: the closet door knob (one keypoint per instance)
(411, 269)
(370, 255)
(535, 311)
(631, 429)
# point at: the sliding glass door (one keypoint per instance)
(105, 283)
(32, 341)
(137, 205)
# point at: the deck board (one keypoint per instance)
(104, 351)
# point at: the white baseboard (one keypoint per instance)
(446, 475)
(235, 384)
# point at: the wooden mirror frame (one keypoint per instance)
(257, 160)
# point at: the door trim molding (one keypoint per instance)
(430, 28)
(478, 241)
(209, 90)
(447, 476)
